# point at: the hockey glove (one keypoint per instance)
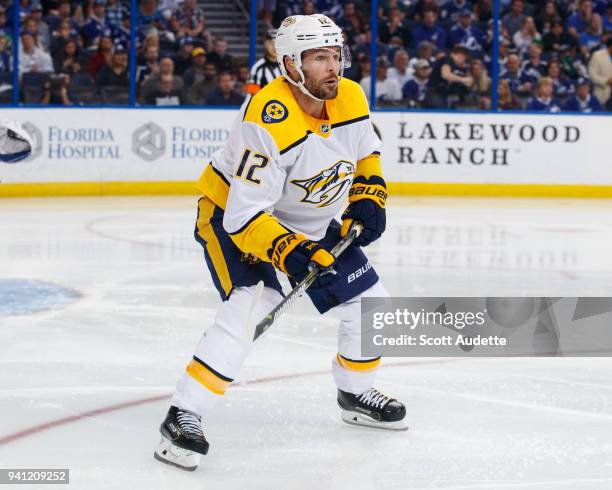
(367, 199)
(295, 255)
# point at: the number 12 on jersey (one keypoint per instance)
(250, 162)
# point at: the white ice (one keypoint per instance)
(528, 423)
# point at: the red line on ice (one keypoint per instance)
(120, 406)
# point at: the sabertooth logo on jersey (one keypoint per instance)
(274, 112)
(329, 185)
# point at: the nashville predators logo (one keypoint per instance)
(288, 21)
(274, 112)
(329, 185)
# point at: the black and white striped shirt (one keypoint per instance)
(263, 72)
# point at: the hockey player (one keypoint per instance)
(298, 151)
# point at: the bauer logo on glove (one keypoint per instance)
(367, 199)
(15, 142)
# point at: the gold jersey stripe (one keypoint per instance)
(361, 366)
(207, 378)
(213, 247)
(258, 235)
(369, 166)
(213, 184)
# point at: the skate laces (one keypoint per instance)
(189, 423)
(374, 398)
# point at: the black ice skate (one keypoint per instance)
(182, 440)
(372, 409)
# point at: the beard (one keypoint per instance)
(321, 89)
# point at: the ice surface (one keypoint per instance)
(68, 374)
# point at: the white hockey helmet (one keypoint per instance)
(299, 33)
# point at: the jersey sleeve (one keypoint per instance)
(369, 142)
(257, 184)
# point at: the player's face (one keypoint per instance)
(321, 68)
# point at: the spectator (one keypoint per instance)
(579, 21)
(519, 82)
(224, 95)
(562, 87)
(56, 91)
(31, 57)
(165, 94)
(399, 71)
(548, 15)
(583, 101)
(265, 10)
(166, 67)
(451, 10)
(573, 63)
(219, 57)
(121, 34)
(189, 20)
(450, 80)
(607, 20)
(506, 100)
(96, 27)
(5, 58)
(199, 91)
(395, 27)
(242, 79)
(482, 83)
(62, 15)
(68, 61)
(425, 51)
(590, 39)
(414, 91)
(148, 65)
(115, 74)
(60, 37)
(196, 72)
(557, 39)
(420, 7)
(387, 89)
(430, 31)
(600, 72)
(149, 16)
(467, 34)
(363, 48)
(265, 69)
(514, 19)
(483, 11)
(534, 66)
(352, 22)
(182, 60)
(115, 13)
(41, 29)
(525, 36)
(544, 100)
(102, 56)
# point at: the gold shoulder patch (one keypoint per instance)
(275, 109)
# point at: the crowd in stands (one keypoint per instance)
(554, 55)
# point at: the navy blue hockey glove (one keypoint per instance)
(295, 255)
(367, 199)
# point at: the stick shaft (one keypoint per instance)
(271, 317)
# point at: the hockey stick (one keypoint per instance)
(299, 290)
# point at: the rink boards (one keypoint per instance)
(80, 151)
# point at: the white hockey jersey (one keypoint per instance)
(285, 171)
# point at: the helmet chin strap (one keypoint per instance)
(301, 84)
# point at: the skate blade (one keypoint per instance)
(355, 418)
(173, 455)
